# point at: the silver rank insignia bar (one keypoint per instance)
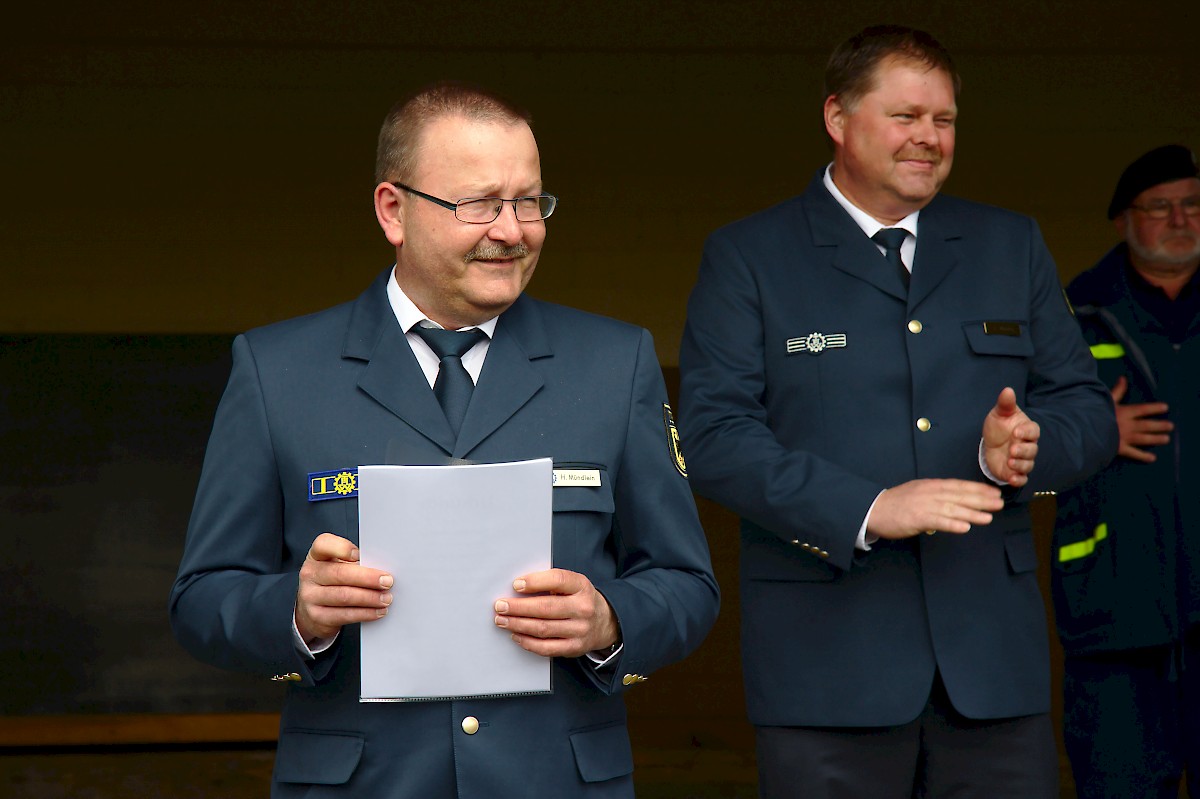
(815, 343)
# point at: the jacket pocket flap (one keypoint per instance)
(603, 753)
(318, 758)
(1022, 554)
(595, 498)
(1014, 340)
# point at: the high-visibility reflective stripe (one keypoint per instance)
(1104, 352)
(1081, 549)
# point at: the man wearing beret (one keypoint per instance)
(1126, 553)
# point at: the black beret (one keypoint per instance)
(1160, 165)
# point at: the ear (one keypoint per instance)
(835, 119)
(388, 210)
(1121, 223)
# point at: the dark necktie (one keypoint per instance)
(453, 385)
(890, 238)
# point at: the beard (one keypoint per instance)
(1160, 254)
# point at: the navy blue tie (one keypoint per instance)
(453, 385)
(890, 238)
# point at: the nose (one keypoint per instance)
(924, 132)
(506, 228)
(1178, 217)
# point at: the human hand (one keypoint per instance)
(334, 590)
(1010, 440)
(566, 617)
(1137, 430)
(950, 506)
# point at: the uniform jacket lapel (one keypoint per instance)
(508, 379)
(392, 373)
(937, 251)
(850, 251)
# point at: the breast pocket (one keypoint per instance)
(999, 337)
(583, 520)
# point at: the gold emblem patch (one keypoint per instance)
(673, 440)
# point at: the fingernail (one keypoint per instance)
(386, 581)
(501, 606)
(386, 599)
(518, 585)
(501, 621)
(381, 612)
(354, 554)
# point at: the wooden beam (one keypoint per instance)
(138, 729)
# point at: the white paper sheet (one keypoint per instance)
(454, 538)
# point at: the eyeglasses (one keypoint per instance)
(485, 210)
(1161, 209)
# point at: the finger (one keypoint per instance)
(1153, 426)
(959, 515)
(956, 487)
(1119, 388)
(550, 606)
(328, 546)
(321, 611)
(325, 621)
(343, 596)
(1019, 468)
(551, 647)
(1135, 454)
(1143, 409)
(543, 628)
(1149, 439)
(1023, 450)
(554, 581)
(1006, 403)
(350, 574)
(1028, 431)
(969, 493)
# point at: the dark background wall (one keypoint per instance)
(206, 167)
(192, 170)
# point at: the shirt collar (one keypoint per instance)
(408, 314)
(869, 224)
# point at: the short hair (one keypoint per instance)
(852, 68)
(400, 136)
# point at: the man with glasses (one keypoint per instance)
(880, 434)
(444, 357)
(1126, 555)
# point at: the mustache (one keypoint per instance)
(931, 154)
(492, 252)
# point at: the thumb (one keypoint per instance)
(1006, 403)
(1119, 390)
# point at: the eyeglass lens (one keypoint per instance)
(487, 209)
(1162, 209)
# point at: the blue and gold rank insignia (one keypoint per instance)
(673, 440)
(336, 484)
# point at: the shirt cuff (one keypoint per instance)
(318, 646)
(865, 539)
(602, 657)
(983, 467)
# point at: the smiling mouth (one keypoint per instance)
(922, 159)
